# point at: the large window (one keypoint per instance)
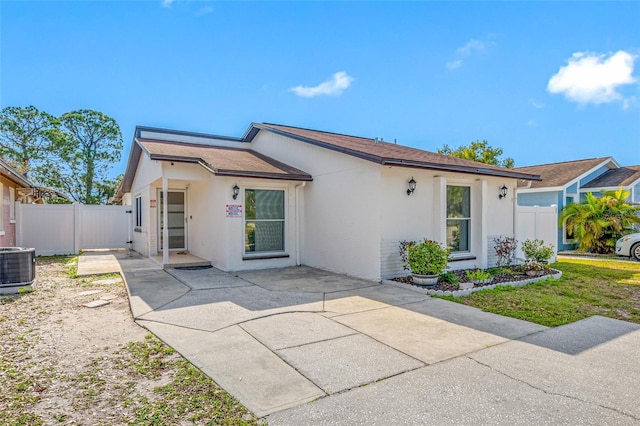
(458, 218)
(264, 220)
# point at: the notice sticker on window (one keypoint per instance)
(234, 210)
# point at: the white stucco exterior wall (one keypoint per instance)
(423, 214)
(341, 220)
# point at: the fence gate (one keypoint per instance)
(69, 228)
(537, 223)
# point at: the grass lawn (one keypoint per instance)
(609, 288)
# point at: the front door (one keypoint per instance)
(176, 215)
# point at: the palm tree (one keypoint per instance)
(596, 223)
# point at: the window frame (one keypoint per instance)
(138, 212)
(468, 220)
(12, 204)
(245, 220)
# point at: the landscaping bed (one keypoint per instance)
(513, 275)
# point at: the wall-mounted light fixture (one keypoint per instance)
(236, 191)
(503, 192)
(412, 186)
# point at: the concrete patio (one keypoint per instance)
(304, 346)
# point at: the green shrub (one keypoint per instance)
(535, 250)
(449, 278)
(478, 275)
(424, 258)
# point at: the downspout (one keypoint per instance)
(302, 185)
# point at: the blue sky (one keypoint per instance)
(545, 81)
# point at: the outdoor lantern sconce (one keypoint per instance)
(236, 191)
(503, 192)
(412, 186)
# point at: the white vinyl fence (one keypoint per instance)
(69, 228)
(537, 223)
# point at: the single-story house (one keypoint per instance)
(282, 196)
(10, 183)
(569, 182)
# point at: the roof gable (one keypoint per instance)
(384, 152)
(623, 176)
(564, 173)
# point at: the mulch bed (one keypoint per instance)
(518, 275)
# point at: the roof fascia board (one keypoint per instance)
(607, 188)
(263, 175)
(14, 175)
(400, 163)
(140, 129)
(459, 169)
(543, 189)
(132, 167)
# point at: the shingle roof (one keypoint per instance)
(223, 161)
(624, 176)
(389, 153)
(560, 174)
(7, 170)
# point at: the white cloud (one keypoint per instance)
(593, 78)
(338, 83)
(536, 104)
(467, 50)
(167, 3)
(470, 47)
(204, 11)
(532, 123)
(454, 64)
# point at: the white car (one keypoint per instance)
(629, 246)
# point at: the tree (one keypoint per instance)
(25, 139)
(596, 223)
(88, 143)
(479, 151)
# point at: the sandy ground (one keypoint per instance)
(63, 361)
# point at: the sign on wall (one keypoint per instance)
(234, 210)
(152, 204)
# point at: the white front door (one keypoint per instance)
(177, 219)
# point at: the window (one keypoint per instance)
(458, 218)
(12, 204)
(264, 220)
(138, 211)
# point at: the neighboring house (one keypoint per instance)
(283, 196)
(568, 182)
(10, 184)
(627, 178)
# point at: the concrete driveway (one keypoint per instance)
(304, 346)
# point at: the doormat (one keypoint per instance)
(193, 268)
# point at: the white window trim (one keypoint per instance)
(275, 253)
(466, 253)
(12, 204)
(137, 211)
